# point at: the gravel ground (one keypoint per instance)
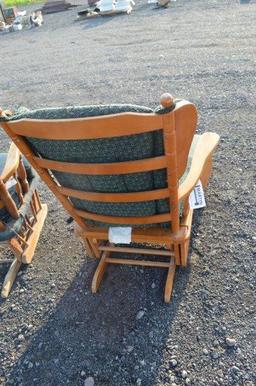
(53, 330)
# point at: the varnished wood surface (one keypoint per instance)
(185, 116)
(22, 175)
(116, 197)
(144, 263)
(203, 152)
(88, 128)
(12, 162)
(154, 235)
(169, 281)
(98, 275)
(8, 202)
(170, 149)
(10, 277)
(157, 218)
(143, 251)
(125, 167)
(29, 251)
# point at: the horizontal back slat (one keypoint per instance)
(88, 128)
(137, 166)
(116, 197)
(155, 219)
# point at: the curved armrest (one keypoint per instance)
(203, 151)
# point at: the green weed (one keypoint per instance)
(18, 3)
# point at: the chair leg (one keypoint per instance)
(95, 247)
(176, 250)
(184, 248)
(98, 275)
(91, 248)
(169, 281)
(34, 236)
(88, 248)
(184, 245)
(10, 277)
(24, 250)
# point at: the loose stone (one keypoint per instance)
(21, 338)
(173, 362)
(89, 381)
(140, 314)
(231, 342)
(215, 355)
(235, 369)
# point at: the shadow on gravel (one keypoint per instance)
(102, 335)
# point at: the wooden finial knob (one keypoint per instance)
(167, 100)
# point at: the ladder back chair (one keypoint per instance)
(21, 213)
(122, 166)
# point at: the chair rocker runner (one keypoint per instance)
(21, 213)
(122, 165)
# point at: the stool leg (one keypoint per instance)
(98, 275)
(10, 277)
(169, 281)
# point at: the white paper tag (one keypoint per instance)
(120, 235)
(11, 182)
(196, 197)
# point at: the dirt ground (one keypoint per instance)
(53, 330)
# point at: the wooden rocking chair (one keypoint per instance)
(122, 165)
(21, 213)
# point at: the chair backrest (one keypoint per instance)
(121, 168)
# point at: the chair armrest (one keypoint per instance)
(203, 151)
(12, 162)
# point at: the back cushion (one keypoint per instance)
(115, 149)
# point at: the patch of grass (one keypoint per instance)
(18, 3)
